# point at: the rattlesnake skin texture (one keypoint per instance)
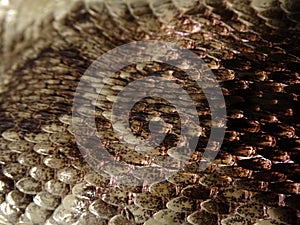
(252, 47)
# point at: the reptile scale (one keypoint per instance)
(251, 46)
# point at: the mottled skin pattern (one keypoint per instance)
(251, 46)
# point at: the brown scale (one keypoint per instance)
(269, 176)
(250, 185)
(274, 154)
(259, 140)
(251, 48)
(285, 187)
(255, 163)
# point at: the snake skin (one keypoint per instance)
(252, 47)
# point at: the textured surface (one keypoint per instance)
(251, 46)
